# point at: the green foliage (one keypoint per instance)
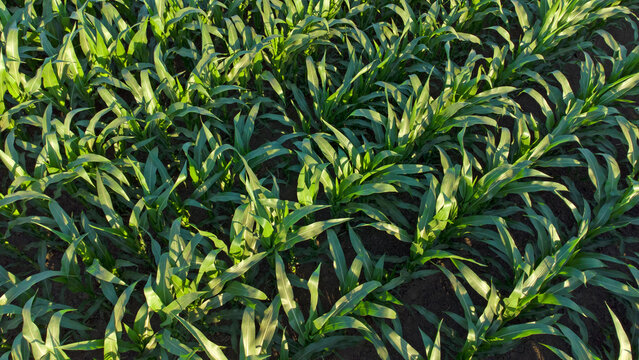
(288, 178)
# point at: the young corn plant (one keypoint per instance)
(356, 169)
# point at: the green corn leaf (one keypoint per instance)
(65, 223)
(299, 214)
(25, 285)
(361, 252)
(87, 158)
(236, 288)
(13, 53)
(103, 274)
(268, 326)
(366, 308)
(112, 216)
(248, 334)
(518, 331)
(284, 345)
(339, 262)
(595, 172)
(212, 350)
(180, 304)
(53, 335)
(85, 345)
(69, 263)
(403, 348)
(22, 195)
(234, 271)
(337, 323)
(292, 310)
(479, 285)
(347, 303)
(313, 288)
(152, 299)
(148, 93)
(19, 349)
(180, 14)
(625, 350)
(578, 347)
(310, 231)
(434, 351)
(353, 274)
(367, 189)
(616, 287)
(31, 332)
(114, 327)
(560, 353)
(468, 307)
(14, 168)
(174, 346)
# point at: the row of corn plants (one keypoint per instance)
(255, 179)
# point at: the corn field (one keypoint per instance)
(319, 179)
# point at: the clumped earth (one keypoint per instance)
(319, 179)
